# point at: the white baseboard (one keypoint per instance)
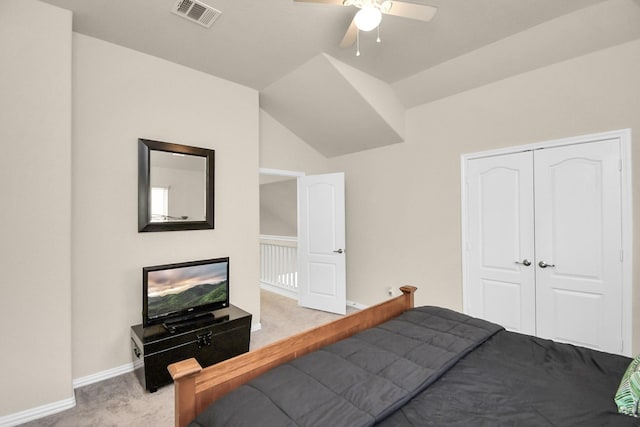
(356, 305)
(55, 407)
(104, 375)
(38, 412)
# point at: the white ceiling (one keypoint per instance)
(255, 42)
(262, 43)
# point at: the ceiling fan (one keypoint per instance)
(370, 14)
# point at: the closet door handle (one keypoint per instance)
(543, 264)
(524, 262)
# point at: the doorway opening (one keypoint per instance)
(279, 231)
(310, 266)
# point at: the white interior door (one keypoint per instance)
(321, 245)
(578, 244)
(500, 240)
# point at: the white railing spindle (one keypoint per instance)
(279, 263)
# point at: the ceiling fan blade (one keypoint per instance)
(336, 2)
(421, 12)
(350, 36)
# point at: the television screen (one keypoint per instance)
(184, 289)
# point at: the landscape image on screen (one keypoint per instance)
(176, 289)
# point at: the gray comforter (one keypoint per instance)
(357, 381)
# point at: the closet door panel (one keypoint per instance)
(500, 239)
(578, 242)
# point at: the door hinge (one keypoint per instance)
(620, 165)
(621, 255)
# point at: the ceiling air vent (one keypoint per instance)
(196, 11)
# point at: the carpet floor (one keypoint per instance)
(121, 401)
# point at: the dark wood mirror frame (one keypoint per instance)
(145, 146)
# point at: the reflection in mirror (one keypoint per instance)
(175, 186)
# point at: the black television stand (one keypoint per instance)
(210, 339)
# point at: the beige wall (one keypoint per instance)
(120, 95)
(35, 226)
(282, 149)
(279, 208)
(403, 201)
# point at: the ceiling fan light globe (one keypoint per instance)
(368, 18)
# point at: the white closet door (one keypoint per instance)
(578, 235)
(501, 241)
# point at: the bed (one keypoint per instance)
(396, 365)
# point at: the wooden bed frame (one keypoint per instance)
(196, 388)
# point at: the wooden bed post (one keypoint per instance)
(408, 292)
(184, 377)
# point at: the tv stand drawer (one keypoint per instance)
(154, 348)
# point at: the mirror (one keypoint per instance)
(175, 186)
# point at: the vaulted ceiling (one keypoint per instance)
(339, 102)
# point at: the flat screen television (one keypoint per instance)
(173, 293)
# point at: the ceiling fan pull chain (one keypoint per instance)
(378, 39)
(358, 43)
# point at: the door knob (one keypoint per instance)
(543, 264)
(524, 262)
(339, 251)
